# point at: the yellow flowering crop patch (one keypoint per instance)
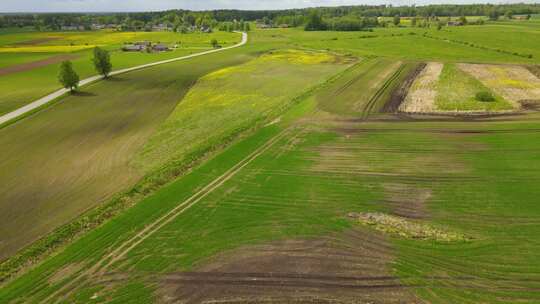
(46, 49)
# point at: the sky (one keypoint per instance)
(157, 5)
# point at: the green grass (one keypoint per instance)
(364, 88)
(482, 175)
(85, 141)
(511, 37)
(494, 42)
(456, 91)
(18, 93)
(410, 44)
(294, 190)
(500, 211)
(250, 93)
(128, 118)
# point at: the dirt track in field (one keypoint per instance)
(351, 267)
(35, 64)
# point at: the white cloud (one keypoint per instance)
(154, 5)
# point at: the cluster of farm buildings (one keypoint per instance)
(146, 46)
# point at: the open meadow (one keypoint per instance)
(398, 165)
(29, 62)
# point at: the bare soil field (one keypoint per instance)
(422, 94)
(515, 83)
(400, 93)
(37, 41)
(35, 64)
(351, 267)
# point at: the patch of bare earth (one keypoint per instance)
(35, 64)
(515, 83)
(352, 267)
(336, 159)
(406, 200)
(37, 41)
(401, 92)
(535, 69)
(422, 94)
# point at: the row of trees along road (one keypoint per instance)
(70, 79)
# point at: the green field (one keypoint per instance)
(410, 43)
(15, 86)
(298, 187)
(117, 114)
(245, 172)
(371, 80)
(98, 128)
(456, 91)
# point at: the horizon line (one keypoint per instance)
(262, 10)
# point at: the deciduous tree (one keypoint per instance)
(102, 61)
(67, 76)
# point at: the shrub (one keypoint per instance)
(485, 96)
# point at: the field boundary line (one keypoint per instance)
(59, 93)
(165, 219)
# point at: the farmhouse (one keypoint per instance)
(133, 48)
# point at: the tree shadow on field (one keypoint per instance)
(83, 94)
(115, 79)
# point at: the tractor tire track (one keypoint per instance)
(101, 266)
(370, 105)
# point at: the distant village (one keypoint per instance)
(162, 27)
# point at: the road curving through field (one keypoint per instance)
(46, 99)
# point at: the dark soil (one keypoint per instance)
(348, 268)
(35, 64)
(530, 105)
(399, 94)
(37, 41)
(535, 69)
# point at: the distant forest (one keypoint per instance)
(337, 18)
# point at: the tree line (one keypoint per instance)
(345, 17)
